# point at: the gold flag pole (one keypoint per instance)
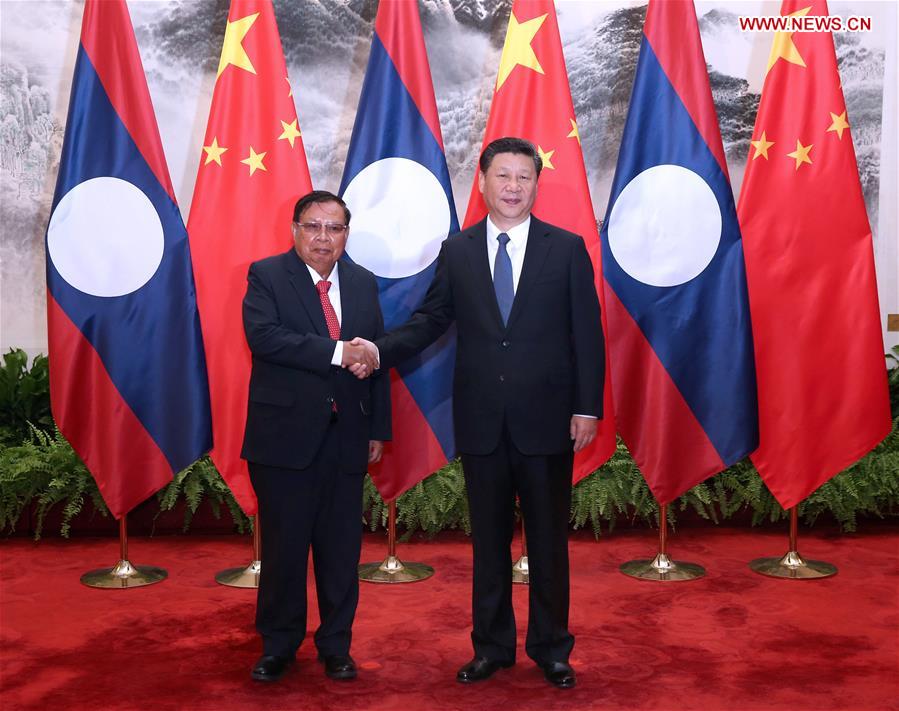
(246, 577)
(792, 565)
(392, 569)
(662, 567)
(520, 568)
(123, 574)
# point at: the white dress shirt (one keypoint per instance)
(334, 298)
(518, 242)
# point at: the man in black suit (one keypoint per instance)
(312, 429)
(527, 394)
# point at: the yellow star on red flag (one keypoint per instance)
(517, 48)
(800, 155)
(783, 47)
(839, 123)
(546, 157)
(761, 146)
(574, 132)
(232, 48)
(254, 160)
(214, 152)
(291, 131)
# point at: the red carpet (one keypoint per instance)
(733, 640)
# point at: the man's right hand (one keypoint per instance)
(360, 358)
(365, 369)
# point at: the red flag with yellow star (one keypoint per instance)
(823, 398)
(252, 170)
(532, 100)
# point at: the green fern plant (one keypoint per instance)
(868, 488)
(434, 504)
(201, 482)
(614, 491)
(46, 471)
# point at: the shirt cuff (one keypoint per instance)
(337, 358)
(589, 417)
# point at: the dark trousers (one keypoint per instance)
(543, 486)
(318, 507)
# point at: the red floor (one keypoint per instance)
(733, 640)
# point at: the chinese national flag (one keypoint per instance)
(252, 170)
(532, 100)
(823, 398)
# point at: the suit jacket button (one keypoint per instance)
(505, 344)
(502, 378)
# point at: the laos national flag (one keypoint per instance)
(398, 189)
(683, 373)
(127, 369)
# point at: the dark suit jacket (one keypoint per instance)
(293, 384)
(547, 364)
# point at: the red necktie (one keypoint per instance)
(330, 316)
(330, 313)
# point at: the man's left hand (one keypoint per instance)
(583, 431)
(375, 450)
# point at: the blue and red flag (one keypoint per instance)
(127, 369)
(683, 372)
(398, 189)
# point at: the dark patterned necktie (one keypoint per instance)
(328, 308)
(502, 278)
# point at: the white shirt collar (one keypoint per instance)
(333, 277)
(518, 235)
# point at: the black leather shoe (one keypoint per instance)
(559, 674)
(339, 666)
(270, 668)
(480, 668)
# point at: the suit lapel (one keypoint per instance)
(301, 280)
(480, 270)
(349, 302)
(539, 244)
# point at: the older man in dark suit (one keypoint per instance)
(312, 429)
(527, 394)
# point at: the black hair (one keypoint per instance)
(317, 197)
(510, 144)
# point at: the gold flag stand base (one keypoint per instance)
(123, 574)
(662, 568)
(793, 566)
(392, 569)
(247, 577)
(240, 577)
(520, 567)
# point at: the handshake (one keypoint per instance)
(361, 357)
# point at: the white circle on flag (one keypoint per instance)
(400, 217)
(665, 226)
(105, 237)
